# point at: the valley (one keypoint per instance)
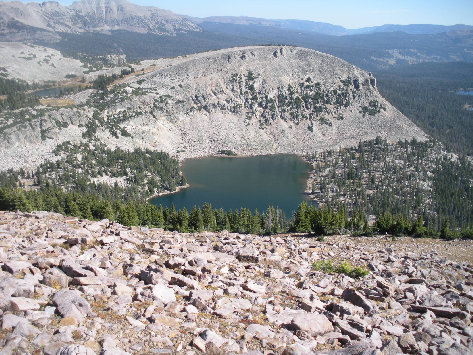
(172, 184)
(261, 100)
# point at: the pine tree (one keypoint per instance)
(208, 216)
(255, 223)
(367, 230)
(268, 221)
(157, 218)
(196, 222)
(54, 205)
(301, 218)
(183, 218)
(276, 221)
(445, 232)
(128, 216)
(173, 222)
(71, 208)
(220, 219)
(418, 229)
(107, 211)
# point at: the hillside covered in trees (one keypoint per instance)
(427, 94)
(13, 94)
(106, 173)
(408, 178)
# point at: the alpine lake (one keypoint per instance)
(235, 182)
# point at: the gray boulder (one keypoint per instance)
(356, 298)
(71, 304)
(314, 324)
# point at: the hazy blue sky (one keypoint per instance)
(348, 13)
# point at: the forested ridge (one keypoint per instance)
(408, 178)
(14, 94)
(106, 173)
(427, 94)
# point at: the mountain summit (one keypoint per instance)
(89, 16)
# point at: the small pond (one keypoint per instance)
(234, 182)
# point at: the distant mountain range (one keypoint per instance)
(99, 27)
(109, 15)
(329, 29)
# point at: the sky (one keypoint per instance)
(347, 13)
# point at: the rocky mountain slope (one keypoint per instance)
(251, 100)
(46, 19)
(34, 63)
(80, 287)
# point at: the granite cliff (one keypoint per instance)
(250, 100)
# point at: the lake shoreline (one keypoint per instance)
(164, 193)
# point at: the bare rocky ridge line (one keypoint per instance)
(74, 286)
(250, 100)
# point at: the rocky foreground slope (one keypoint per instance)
(80, 287)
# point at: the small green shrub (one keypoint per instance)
(344, 267)
(324, 266)
(358, 272)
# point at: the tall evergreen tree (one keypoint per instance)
(208, 216)
(128, 216)
(183, 220)
(196, 222)
(302, 218)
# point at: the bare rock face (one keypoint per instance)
(264, 100)
(249, 100)
(239, 311)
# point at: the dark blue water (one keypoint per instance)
(251, 182)
(51, 92)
